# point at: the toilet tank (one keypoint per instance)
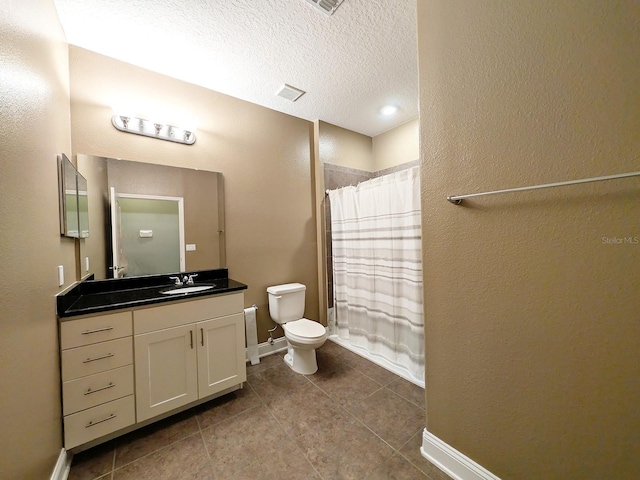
(286, 302)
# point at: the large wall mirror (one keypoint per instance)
(150, 219)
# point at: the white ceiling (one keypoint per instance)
(350, 64)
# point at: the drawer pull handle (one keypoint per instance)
(108, 355)
(97, 330)
(191, 338)
(92, 423)
(202, 337)
(89, 391)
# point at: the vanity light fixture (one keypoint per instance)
(148, 128)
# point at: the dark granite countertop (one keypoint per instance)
(96, 296)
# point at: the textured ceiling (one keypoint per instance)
(350, 64)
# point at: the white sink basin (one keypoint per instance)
(179, 290)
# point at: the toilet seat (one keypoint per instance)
(304, 331)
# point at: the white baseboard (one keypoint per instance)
(266, 348)
(63, 465)
(451, 461)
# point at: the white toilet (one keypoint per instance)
(286, 307)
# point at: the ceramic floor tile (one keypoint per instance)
(411, 451)
(283, 425)
(390, 416)
(329, 435)
(336, 350)
(185, 459)
(373, 371)
(347, 356)
(329, 360)
(396, 468)
(227, 406)
(92, 463)
(343, 449)
(286, 462)
(408, 391)
(252, 436)
(304, 409)
(346, 385)
(266, 362)
(276, 382)
(155, 436)
(353, 461)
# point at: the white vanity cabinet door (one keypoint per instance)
(221, 356)
(166, 370)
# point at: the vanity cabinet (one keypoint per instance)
(187, 351)
(123, 370)
(97, 376)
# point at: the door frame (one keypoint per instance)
(180, 201)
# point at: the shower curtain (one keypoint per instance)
(377, 268)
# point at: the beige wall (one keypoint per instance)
(264, 156)
(339, 146)
(34, 108)
(532, 337)
(345, 148)
(397, 146)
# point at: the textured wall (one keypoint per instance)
(264, 156)
(397, 146)
(345, 148)
(532, 337)
(34, 108)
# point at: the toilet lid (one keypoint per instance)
(305, 328)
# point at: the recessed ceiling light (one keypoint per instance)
(388, 110)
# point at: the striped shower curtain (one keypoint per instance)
(377, 268)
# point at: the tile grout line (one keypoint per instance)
(206, 450)
(408, 459)
(344, 408)
(285, 431)
(155, 451)
(394, 450)
(113, 460)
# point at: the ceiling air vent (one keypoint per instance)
(326, 6)
(290, 93)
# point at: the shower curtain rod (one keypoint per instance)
(457, 199)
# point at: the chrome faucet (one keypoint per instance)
(186, 279)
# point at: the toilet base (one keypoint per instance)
(301, 361)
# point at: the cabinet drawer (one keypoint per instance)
(85, 331)
(176, 314)
(87, 392)
(82, 361)
(96, 422)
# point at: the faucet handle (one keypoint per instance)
(190, 279)
(176, 280)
